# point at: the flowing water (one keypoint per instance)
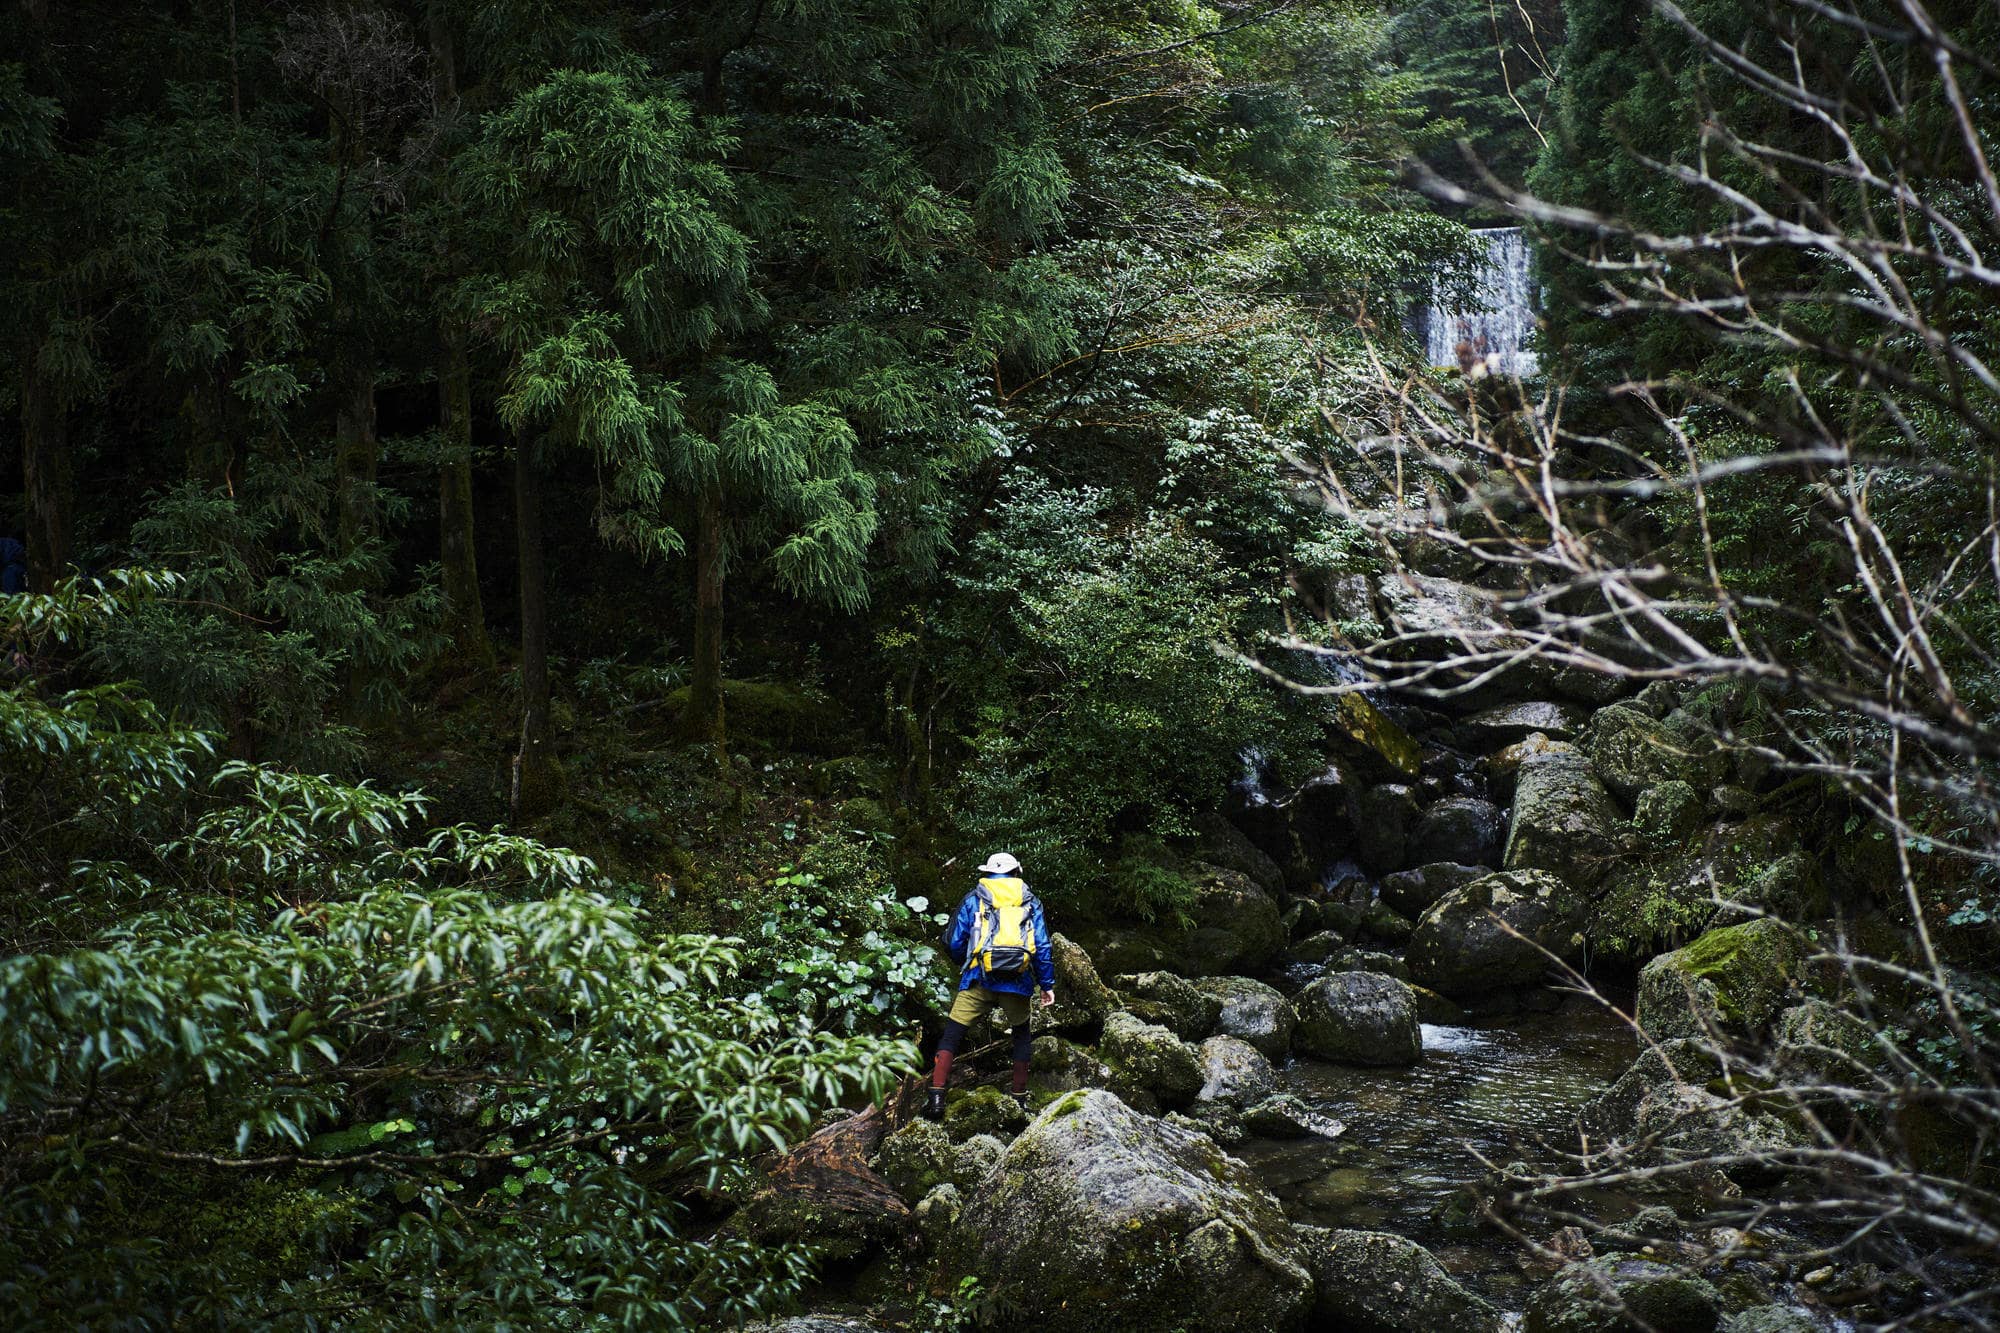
(1414, 1135)
(1496, 333)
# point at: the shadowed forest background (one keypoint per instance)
(557, 534)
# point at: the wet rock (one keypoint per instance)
(1099, 1217)
(1318, 948)
(1220, 1121)
(1436, 1010)
(1512, 723)
(982, 1111)
(1631, 751)
(1374, 1282)
(1143, 1055)
(1300, 919)
(1814, 1042)
(1286, 1117)
(1411, 892)
(1490, 935)
(1359, 1018)
(1367, 960)
(1674, 1106)
(1234, 1071)
(1667, 814)
(1060, 1066)
(1460, 829)
(1769, 1319)
(1319, 821)
(1082, 998)
(1384, 925)
(916, 1159)
(1172, 1002)
(1733, 980)
(1382, 827)
(1253, 1011)
(1564, 821)
(1623, 1296)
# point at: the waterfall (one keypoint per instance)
(1497, 331)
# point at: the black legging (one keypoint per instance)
(1024, 1039)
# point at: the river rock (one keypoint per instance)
(1382, 829)
(1435, 1009)
(1318, 948)
(1061, 1066)
(1734, 980)
(1101, 1218)
(1769, 1319)
(1171, 1001)
(1511, 723)
(1358, 1018)
(1411, 892)
(1224, 844)
(1814, 1042)
(1284, 1116)
(982, 1111)
(975, 1159)
(1234, 1071)
(1624, 1296)
(1145, 1056)
(1383, 924)
(1664, 1109)
(1491, 934)
(1367, 960)
(1631, 751)
(915, 1159)
(1563, 821)
(1253, 1011)
(1374, 1282)
(1460, 829)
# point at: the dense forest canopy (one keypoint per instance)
(553, 536)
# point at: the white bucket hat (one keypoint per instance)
(999, 864)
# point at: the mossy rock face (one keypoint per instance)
(1734, 980)
(975, 1159)
(1236, 928)
(1385, 925)
(1674, 1105)
(1374, 1282)
(1082, 998)
(1564, 821)
(1099, 1218)
(1659, 901)
(1490, 934)
(1172, 1001)
(1145, 1056)
(982, 1111)
(1668, 813)
(1060, 1066)
(1624, 1296)
(1789, 888)
(1372, 738)
(1631, 751)
(916, 1159)
(1815, 1042)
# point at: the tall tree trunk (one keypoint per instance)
(704, 719)
(357, 448)
(45, 469)
(536, 776)
(465, 615)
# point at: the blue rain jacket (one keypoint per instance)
(958, 939)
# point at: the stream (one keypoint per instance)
(1412, 1132)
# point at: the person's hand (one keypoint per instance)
(1048, 998)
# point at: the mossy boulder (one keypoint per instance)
(1365, 736)
(1236, 1072)
(1655, 902)
(1234, 927)
(1668, 813)
(1631, 751)
(1734, 980)
(1147, 1057)
(1814, 1042)
(1082, 999)
(1382, 828)
(1461, 829)
(1624, 1296)
(1491, 934)
(1252, 1011)
(1062, 1066)
(982, 1111)
(973, 1160)
(1564, 821)
(1222, 843)
(1172, 1001)
(916, 1159)
(1368, 960)
(1508, 724)
(1411, 892)
(1100, 1218)
(1788, 887)
(1503, 766)
(1675, 1104)
(1358, 1018)
(1383, 924)
(1375, 1282)
(1769, 1319)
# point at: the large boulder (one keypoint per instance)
(1492, 933)
(1374, 1282)
(1381, 834)
(1624, 1296)
(916, 1159)
(1675, 1105)
(1411, 892)
(1503, 766)
(1224, 844)
(1632, 751)
(1172, 1001)
(1236, 1072)
(1234, 926)
(1730, 981)
(1563, 821)
(1654, 902)
(1461, 829)
(1814, 1042)
(1252, 1011)
(1151, 1058)
(1358, 1018)
(1082, 999)
(1509, 724)
(1062, 1066)
(1102, 1218)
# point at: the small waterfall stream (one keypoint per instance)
(1492, 339)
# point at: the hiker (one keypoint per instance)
(1001, 944)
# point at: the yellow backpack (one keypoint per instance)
(1003, 935)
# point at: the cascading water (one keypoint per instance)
(1490, 340)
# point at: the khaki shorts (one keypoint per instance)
(973, 1002)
